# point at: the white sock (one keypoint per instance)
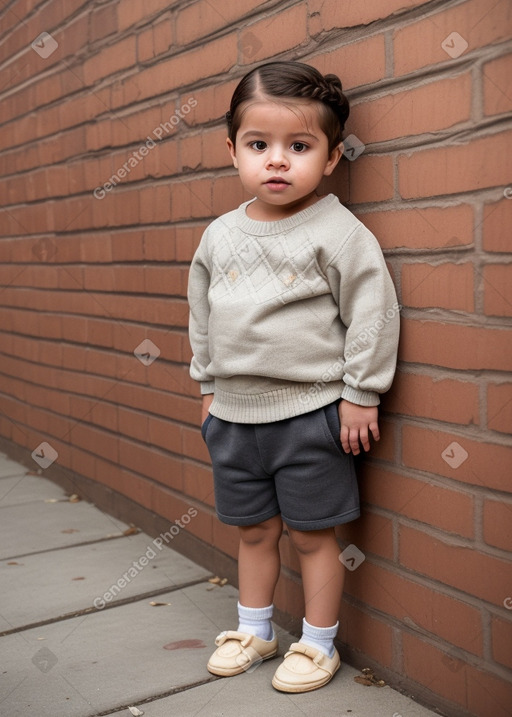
(320, 637)
(256, 621)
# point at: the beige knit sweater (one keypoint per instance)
(287, 316)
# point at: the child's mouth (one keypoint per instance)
(277, 183)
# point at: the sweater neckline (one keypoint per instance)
(260, 228)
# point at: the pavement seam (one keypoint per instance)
(92, 610)
(168, 693)
(105, 539)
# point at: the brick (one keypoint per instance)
(160, 244)
(144, 461)
(420, 44)
(162, 36)
(191, 198)
(409, 602)
(111, 60)
(448, 286)
(350, 62)
(198, 483)
(201, 19)
(155, 204)
(443, 673)
(214, 152)
(190, 150)
(501, 640)
(455, 346)
(329, 14)
(428, 108)
(368, 634)
(429, 397)
(183, 69)
(132, 13)
(498, 289)
(455, 565)
(478, 164)
(265, 39)
(372, 533)
(102, 22)
(228, 193)
(417, 499)
(486, 464)
(496, 75)
(488, 693)
(371, 178)
(163, 280)
(145, 48)
(499, 407)
(212, 102)
(497, 523)
(226, 538)
(497, 219)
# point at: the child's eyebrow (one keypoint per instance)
(258, 133)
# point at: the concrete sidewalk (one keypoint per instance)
(72, 647)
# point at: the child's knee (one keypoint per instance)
(306, 542)
(267, 532)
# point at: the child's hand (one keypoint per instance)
(355, 421)
(207, 402)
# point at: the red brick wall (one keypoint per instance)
(89, 271)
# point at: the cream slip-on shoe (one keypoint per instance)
(238, 652)
(305, 668)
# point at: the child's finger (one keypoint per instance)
(344, 439)
(354, 441)
(374, 428)
(363, 437)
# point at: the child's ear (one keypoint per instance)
(333, 160)
(232, 152)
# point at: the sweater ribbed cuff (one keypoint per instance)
(361, 398)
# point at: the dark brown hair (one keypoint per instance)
(293, 80)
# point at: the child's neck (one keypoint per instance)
(262, 212)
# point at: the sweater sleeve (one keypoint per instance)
(198, 285)
(369, 309)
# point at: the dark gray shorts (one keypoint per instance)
(296, 468)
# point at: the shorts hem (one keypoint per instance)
(322, 523)
(246, 521)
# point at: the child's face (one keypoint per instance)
(281, 154)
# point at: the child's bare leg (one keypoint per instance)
(322, 574)
(314, 660)
(258, 571)
(259, 562)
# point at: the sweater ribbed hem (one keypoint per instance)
(276, 405)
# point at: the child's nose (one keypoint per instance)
(277, 157)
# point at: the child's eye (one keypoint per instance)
(259, 145)
(299, 146)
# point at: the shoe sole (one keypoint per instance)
(238, 670)
(286, 687)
